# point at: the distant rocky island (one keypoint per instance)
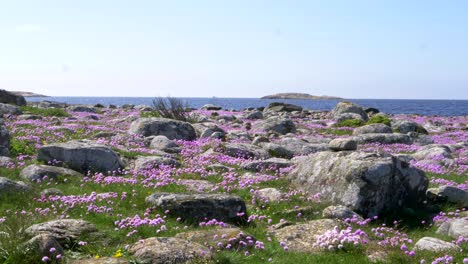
(299, 96)
(28, 94)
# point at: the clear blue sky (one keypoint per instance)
(352, 49)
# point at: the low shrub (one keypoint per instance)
(379, 119)
(172, 108)
(20, 147)
(58, 112)
(350, 123)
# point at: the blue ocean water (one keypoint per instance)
(390, 106)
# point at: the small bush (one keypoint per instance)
(19, 147)
(172, 108)
(350, 123)
(380, 119)
(58, 112)
(150, 114)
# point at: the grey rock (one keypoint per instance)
(348, 107)
(41, 245)
(5, 161)
(282, 107)
(339, 144)
(8, 186)
(277, 151)
(372, 128)
(226, 118)
(163, 250)
(301, 147)
(170, 128)
(270, 194)
(253, 115)
(368, 183)
(257, 141)
(383, 138)
(196, 185)
(339, 212)
(433, 151)
(275, 124)
(302, 237)
(105, 135)
(211, 107)
(82, 156)
(164, 144)
(82, 108)
(454, 228)
(29, 117)
(244, 151)
(66, 231)
(100, 260)
(7, 97)
(348, 116)
(35, 172)
(405, 126)
(201, 207)
(149, 162)
(271, 163)
(52, 191)
(7, 109)
(434, 245)
(4, 139)
(449, 194)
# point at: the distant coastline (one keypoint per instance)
(300, 96)
(28, 94)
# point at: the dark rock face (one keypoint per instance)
(244, 150)
(11, 98)
(82, 108)
(4, 139)
(282, 107)
(8, 186)
(162, 250)
(41, 245)
(8, 109)
(65, 231)
(82, 156)
(202, 207)
(368, 183)
(170, 128)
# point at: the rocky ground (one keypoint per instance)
(101, 184)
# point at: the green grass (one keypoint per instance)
(57, 112)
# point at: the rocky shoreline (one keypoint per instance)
(280, 184)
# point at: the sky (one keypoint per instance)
(353, 49)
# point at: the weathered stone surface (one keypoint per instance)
(244, 150)
(301, 147)
(9, 186)
(450, 194)
(277, 151)
(230, 238)
(348, 116)
(200, 186)
(211, 107)
(301, 238)
(434, 245)
(383, 138)
(36, 172)
(82, 156)
(149, 162)
(276, 124)
(348, 107)
(270, 194)
(373, 128)
(66, 231)
(29, 117)
(164, 144)
(162, 250)
(7, 97)
(340, 144)
(253, 115)
(433, 151)
(82, 108)
(52, 191)
(271, 163)
(282, 107)
(4, 139)
(41, 245)
(105, 135)
(5, 161)
(170, 128)
(405, 126)
(8, 109)
(368, 183)
(201, 207)
(339, 212)
(454, 228)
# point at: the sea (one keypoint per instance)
(389, 106)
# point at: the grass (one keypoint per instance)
(57, 112)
